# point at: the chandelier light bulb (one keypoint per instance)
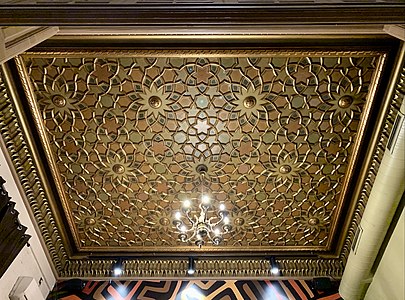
(226, 220)
(186, 203)
(217, 231)
(183, 228)
(205, 199)
(178, 215)
(222, 207)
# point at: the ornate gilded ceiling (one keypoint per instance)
(121, 134)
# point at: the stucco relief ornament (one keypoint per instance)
(344, 105)
(202, 78)
(94, 226)
(154, 101)
(244, 222)
(250, 101)
(314, 222)
(58, 102)
(285, 169)
(210, 174)
(160, 220)
(116, 166)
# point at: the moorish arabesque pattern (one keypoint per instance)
(125, 136)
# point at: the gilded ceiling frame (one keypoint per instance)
(196, 53)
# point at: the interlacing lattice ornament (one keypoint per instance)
(277, 134)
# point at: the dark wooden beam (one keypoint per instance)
(189, 15)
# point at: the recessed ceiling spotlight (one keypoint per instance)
(117, 268)
(191, 266)
(274, 269)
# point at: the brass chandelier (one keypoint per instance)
(207, 224)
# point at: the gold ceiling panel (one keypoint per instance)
(280, 133)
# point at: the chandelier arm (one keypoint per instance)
(209, 236)
(212, 230)
(192, 236)
(179, 224)
(221, 220)
(187, 213)
(210, 219)
(215, 238)
(210, 226)
(203, 215)
(182, 229)
(215, 224)
(196, 221)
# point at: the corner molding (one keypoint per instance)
(397, 31)
(15, 40)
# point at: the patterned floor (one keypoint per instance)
(194, 290)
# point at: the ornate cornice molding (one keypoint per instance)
(383, 137)
(14, 138)
(206, 53)
(206, 268)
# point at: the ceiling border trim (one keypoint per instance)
(193, 53)
(15, 141)
(390, 111)
(206, 268)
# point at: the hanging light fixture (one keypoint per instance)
(209, 224)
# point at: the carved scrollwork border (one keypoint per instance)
(199, 53)
(383, 137)
(15, 141)
(206, 268)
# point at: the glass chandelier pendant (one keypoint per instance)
(211, 222)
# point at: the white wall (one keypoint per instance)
(388, 281)
(31, 261)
